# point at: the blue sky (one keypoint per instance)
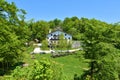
(104, 10)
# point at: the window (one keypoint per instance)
(65, 34)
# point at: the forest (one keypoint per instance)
(101, 46)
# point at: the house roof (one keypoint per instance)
(59, 31)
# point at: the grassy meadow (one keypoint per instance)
(71, 64)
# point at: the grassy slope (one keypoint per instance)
(71, 64)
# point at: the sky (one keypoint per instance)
(104, 10)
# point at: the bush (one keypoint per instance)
(39, 70)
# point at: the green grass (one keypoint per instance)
(71, 64)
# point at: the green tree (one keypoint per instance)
(39, 30)
(57, 22)
(100, 50)
(72, 26)
(61, 43)
(10, 42)
(39, 70)
(10, 47)
(45, 45)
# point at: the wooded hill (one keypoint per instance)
(101, 40)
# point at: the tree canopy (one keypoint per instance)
(101, 41)
(11, 34)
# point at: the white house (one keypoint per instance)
(53, 37)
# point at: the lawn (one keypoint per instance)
(71, 64)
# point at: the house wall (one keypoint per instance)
(55, 38)
(67, 36)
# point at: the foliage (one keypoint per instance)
(11, 46)
(39, 30)
(39, 70)
(71, 64)
(62, 43)
(44, 45)
(70, 26)
(55, 23)
(99, 46)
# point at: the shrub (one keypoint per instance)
(39, 70)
